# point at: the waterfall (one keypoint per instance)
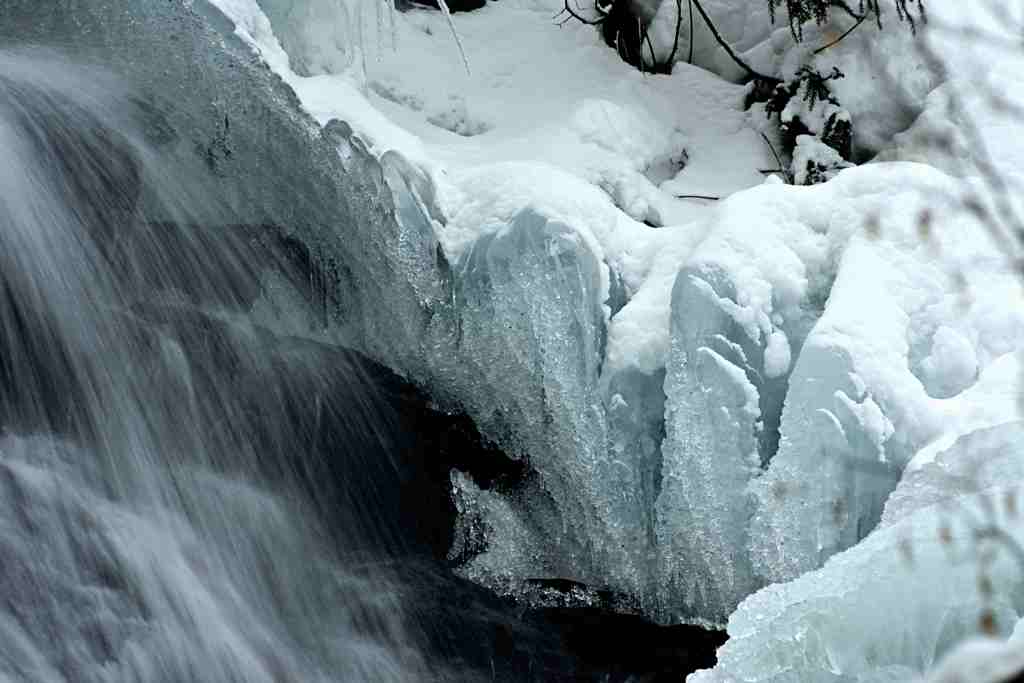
(166, 485)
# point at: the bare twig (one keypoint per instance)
(840, 38)
(578, 17)
(675, 39)
(841, 4)
(753, 73)
(455, 34)
(786, 174)
(689, 57)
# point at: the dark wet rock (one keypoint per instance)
(453, 5)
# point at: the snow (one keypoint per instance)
(738, 408)
(743, 25)
(980, 660)
(952, 364)
(815, 162)
(982, 458)
(887, 609)
(777, 355)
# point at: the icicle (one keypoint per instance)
(361, 38)
(380, 26)
(458, 41)
(394, 24)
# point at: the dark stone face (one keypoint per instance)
(453, 5)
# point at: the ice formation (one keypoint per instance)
(708, 408)
(890, 607)
(717, 382)
(318, 37)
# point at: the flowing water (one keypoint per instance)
(162, 515)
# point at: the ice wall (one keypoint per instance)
(319, 37)
(798, 383)
(713, 423)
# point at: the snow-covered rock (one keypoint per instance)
(815, 162)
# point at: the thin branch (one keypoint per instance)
(841, 4)
(986, 166)
(840, 38)
(675, 40)
(645, 36)
(1003, 538)
(569, 10)
(696, 196)
(455, 34)
(778, 159)
(689, 57)
(728, 49)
